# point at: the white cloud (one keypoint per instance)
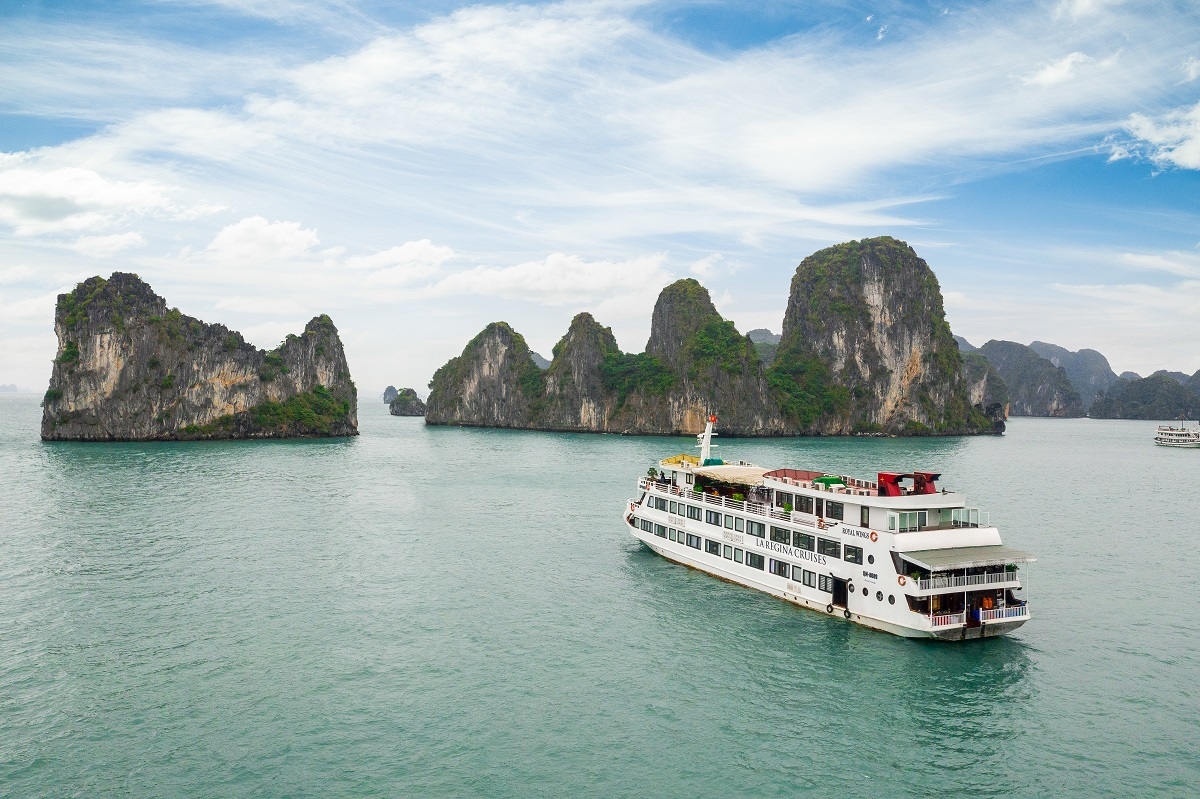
(254, 240)
(1059, 71)
(35, 201)
(16, 274)
(1183, 264)
(107, 246)
(1190, 69)
(706, 266)
(1171, 139)
(1084, 8)
(558, 279)
(261, 305)
(402, 265)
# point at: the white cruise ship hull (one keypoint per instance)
(789, 591)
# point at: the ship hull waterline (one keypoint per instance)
(984, 630)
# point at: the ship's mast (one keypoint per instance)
(704, 440)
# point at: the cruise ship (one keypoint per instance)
(896, 553)
(1168, 436)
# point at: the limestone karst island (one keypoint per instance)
(128, 368)
(865, 349)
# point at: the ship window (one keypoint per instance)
(780, 568)
(879, 595)
(712, 517)
(648, 525)
(891, 599)
(757, 529)
(854, 554)
(671, 533)
(660, 531)
(712, 547)
(831, 548)
(825, 583)
(781, 536)
(864, 516)
(870, 558)
(660, 503)
(805, 541)
(688, 478)
(820, 507)
(783, 498)
(835, 510)
(865, 591)
(810, 579)
(728, 521)
(804, 504)
(693, 512)
(728, 553)
(693, 541)
(673, 508)
(737, 555)
(755, 561)
(739, 524)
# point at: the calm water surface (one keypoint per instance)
(439, 612)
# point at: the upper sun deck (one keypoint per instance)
(887, 491)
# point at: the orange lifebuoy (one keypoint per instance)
(901, 579)
(821, 523)
(874, 536)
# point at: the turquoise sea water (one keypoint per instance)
(443, 612)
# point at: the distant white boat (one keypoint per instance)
(1168, 436)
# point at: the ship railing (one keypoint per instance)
(962, 581)
(1010, 612)
(947, 620)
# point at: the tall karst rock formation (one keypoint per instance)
(866, 347)
(1036, 386)
(695, 363)
(129, 368)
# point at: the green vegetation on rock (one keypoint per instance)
(70, 354)
(1158, 397)
(627, 373)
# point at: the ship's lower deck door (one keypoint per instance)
(839, 592)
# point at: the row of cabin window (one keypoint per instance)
(852, 554)
(824, 546)
(823, 507)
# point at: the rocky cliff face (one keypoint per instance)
(1036, 387)
(405, 402)
(695, 363)
(494, 383)
(1156, 397)
(866, 347)
(1088, 370)
(129, 368)
(709, 368)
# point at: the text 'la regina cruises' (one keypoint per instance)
(896, 554)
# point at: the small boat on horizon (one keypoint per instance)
(895, 553)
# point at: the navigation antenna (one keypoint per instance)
(704, 441)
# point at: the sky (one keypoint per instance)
(418, 170)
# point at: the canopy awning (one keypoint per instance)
(940, 560)
(737, 475)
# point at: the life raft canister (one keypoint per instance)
(901, 579)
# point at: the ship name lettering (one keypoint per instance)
(784, 549)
